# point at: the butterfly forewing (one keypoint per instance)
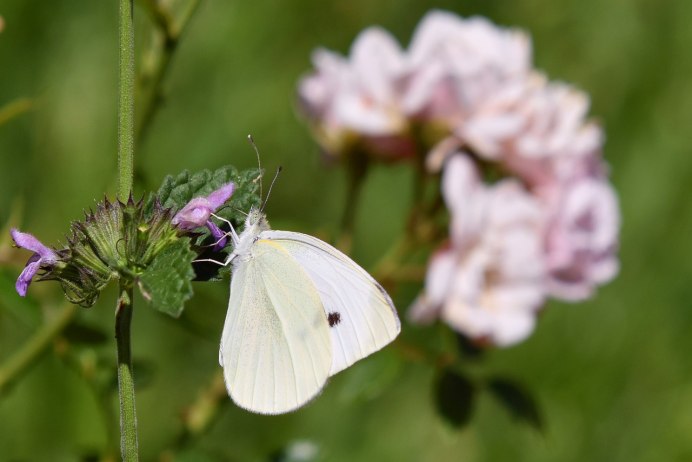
(276, 349)
(361, 316)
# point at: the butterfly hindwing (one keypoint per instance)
(361, 316)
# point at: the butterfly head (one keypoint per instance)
(256, 220)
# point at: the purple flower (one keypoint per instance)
(198, 211)
(42, 257)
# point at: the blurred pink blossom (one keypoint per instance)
(582, 239)
(536, 129)
(465, 96)
(490, 282)
(358, 98)
(455, 64)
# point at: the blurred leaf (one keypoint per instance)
(454, 395)
(469, 349)
(83, 334)
(166, 282)
(517, 400)
(177, 191)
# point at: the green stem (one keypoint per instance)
(357, 170)
(126, 385)
(22, 359)
(123, 312)
(126, 100)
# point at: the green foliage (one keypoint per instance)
(517, 400)
(166, 282)
(454, 395)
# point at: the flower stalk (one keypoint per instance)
(126, 386)
(123, 314)
(126, 100)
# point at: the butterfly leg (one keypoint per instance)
(233, 234)
(209, 260)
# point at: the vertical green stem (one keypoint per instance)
(126, 100)
(357, 170)
(126, 386)
(123, 312)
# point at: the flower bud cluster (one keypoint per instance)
(117, 241)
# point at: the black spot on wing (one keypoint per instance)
(334, 318)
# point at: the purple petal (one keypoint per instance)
(220, 196)
(27, 275)
(219, 235)
(196, 213)
(29, 242)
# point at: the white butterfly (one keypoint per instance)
(299, 312)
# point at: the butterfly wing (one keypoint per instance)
(361, 315)
(275, 347)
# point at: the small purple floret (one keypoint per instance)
(218, 234)
(43, 256)
(197, 212)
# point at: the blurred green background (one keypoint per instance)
(612, 377)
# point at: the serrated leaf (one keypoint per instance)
(177, 191)
(166, 283)
(517, 400)
(454, 395)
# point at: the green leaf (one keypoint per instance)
(517, 400)
(454, 396)
(177, 191)
(166, 282)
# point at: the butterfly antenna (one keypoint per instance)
(251, 140)
(276, 175)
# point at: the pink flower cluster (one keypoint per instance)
(467, 94)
